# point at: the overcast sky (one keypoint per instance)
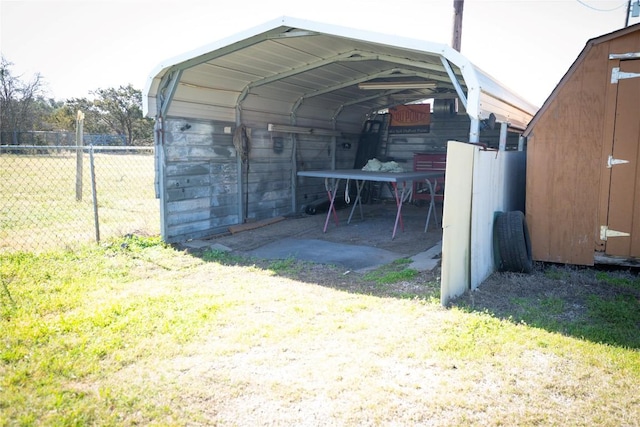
(82, 45)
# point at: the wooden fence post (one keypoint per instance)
(79, 144)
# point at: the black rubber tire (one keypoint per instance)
(511, 236)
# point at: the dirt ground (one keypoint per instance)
(501, 294)
(375, 229)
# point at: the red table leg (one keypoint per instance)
(332, 197)
(399, 206)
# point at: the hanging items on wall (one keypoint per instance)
(241, 142)
(278, 144)
(243, 145)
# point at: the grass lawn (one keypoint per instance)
(135, 332)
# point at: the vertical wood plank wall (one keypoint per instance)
(206, 189)
(564, 154)
(200, 194)
(269, 177)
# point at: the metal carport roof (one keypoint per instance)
(297, 72)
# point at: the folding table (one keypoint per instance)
(332, 180)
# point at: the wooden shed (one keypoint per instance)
(583, 152)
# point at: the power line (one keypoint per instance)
(602, 10)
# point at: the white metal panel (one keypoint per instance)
(499, 181)
(488, 175)
(456, 221)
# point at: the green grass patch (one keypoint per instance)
(136, 332)
(392, 273)
(629, 282)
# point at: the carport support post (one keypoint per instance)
(294, 173)
(474, 131)
(503, 137)
(333, 152)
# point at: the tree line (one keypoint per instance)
(24, 107)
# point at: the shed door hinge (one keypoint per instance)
(605, 233)
(611, 161)
(623, 56)
(616, 75)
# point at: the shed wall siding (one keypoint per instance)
(269, 178)
(207, 188)
(201, 179)
(443, 128)
(315, 153)
(563, 165)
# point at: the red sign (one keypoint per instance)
(410, 118)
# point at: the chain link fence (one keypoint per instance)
(57, 138)
(59, 196)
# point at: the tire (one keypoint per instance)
(511, 237)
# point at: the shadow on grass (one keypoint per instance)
(394, 280)
(598, 305)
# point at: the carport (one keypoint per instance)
(237, 119)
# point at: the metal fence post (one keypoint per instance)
(94, 195)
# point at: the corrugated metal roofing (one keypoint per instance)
(290, 71)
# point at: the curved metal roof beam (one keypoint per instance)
(353, 55)
(354, 82)
(454, 80)
(344, 57)
(339, 110)
(166, 90)
(389, 73)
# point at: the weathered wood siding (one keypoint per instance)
(200, 178)
(443, 128)
(206, 188)
(269, 176)
(566, 196)
(316, 152)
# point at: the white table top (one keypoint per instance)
(358, 174)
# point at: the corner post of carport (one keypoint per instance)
(470, 100)
(166, 91)
(502, 144)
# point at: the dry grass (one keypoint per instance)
(145, 334)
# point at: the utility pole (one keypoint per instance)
(633, 9)
(456, 41)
